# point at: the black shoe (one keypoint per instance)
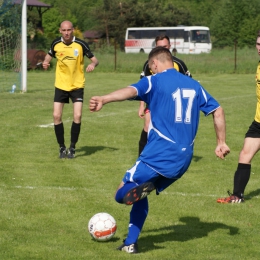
(139, 192)
(63, 153)
(71, 153)
(131, 249)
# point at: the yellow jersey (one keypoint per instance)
(257, 113)
(70, 63)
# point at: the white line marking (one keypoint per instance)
(166, 193)
(45, 126)
(44, 188)
(98, 115)
(52, 124)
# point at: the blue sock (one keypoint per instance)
(122, 191)
(138, 215)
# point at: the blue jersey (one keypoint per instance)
(175, 102)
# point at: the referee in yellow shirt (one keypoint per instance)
(69, 83)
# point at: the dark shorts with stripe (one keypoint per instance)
(62, 96)
(254, 130)
(146, 110)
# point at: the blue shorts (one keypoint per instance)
(141, 173)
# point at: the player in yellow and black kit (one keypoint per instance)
(179, 65)
(69, 83)
(250, 148)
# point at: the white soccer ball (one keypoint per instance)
(102, 226)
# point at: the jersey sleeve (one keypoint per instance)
(206, 102)
(86, 50)
(51, 52)
(143, 87)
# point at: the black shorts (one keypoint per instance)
(254, 130)
(62, 96)
(146, 110)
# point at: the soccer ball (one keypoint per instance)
(102, 226)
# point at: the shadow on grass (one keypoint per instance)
(88, 150)
(252, 194)
(196, 158)
(192, 228)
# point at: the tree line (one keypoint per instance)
(230, 21)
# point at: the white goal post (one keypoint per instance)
(24, 47)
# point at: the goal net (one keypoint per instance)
(10, 46)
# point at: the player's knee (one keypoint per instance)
(245, 157)
(77, 118)
(119, 196)
(56, 117)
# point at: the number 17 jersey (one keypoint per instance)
(175, 102)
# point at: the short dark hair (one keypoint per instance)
(162, 37)
(160, 53)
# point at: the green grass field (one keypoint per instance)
(218, 61)
(46, 202)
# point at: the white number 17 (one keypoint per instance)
(177, 96)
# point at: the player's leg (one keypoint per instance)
(60, 98)
(59, 128)
(242, 174)
(144, 133)
(138, 216)
(138, 176)
(77, 99)
(122, 189)
(136, 184)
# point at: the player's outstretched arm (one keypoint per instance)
(220, 128)
(97, 102)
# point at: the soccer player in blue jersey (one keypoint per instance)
(175, 102)
(143, 112)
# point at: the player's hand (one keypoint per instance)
(222, 150)
(95, 104)
(45, 65)
(141, 109)
(141, 112)
(90, 67)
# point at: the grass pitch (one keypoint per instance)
(46, 202)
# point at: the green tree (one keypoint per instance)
(173, 16)
(83, 10)
(235, 21)
(52, 20)
(228, 20)
(199, 12)
(249, 31)
(113, 17)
